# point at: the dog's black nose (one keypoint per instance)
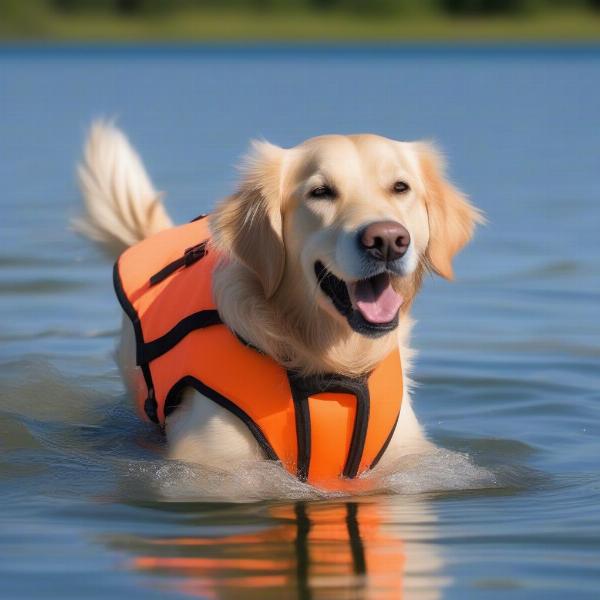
(385, 240)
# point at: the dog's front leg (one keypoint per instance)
(203, 432)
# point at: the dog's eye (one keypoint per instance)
(323, 191)
(400, 187)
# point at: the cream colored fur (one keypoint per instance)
(122, 207)
(270, 235)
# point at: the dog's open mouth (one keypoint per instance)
(371, 305)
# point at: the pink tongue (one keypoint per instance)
(376, 299)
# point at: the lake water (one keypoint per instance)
(508, 371)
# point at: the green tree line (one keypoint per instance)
(10, 8)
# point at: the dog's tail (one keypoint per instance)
(121, 205)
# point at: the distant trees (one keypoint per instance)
(489, 7)
(458, 7)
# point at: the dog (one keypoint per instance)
(324, 247)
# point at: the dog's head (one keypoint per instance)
(349, 223)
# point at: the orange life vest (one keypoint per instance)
(319, 427)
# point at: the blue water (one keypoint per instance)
(508, 370)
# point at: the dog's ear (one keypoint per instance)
(452, 218)
(248, 224)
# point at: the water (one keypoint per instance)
(508, 367)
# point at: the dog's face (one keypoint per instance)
(358, 225)
(346, 222)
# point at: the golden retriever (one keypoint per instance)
(325, 246)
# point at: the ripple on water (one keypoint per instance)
(41, 286)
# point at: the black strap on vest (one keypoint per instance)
(385, 444)
(189, 257)
(173, 400)
(148, 351)
(150, 405)
(199, 218)
(304, 387)
(198, 320)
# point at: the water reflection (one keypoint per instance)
(366, 549)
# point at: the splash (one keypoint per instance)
(440, 470)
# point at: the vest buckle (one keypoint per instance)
(194, 253)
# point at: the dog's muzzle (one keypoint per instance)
(371, 306)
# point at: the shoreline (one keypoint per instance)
(252, 49)
(247, 27)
